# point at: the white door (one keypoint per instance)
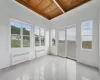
(71, 42)
(61, 43)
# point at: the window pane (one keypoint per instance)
(61, 43)
(37, 41)
(15, 27)
(36, 30)
(15, 34)
(42, 41)
(87, 35)
(71, 34)
(71, 42)
(87, 44)
(26, 29)
(15, 41)
(53, 37)
(42, 32)
(26, 41)
(61, 36)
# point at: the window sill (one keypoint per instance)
(86, 49)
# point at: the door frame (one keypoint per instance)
(61, 29)
(65, 29)
(69, 27)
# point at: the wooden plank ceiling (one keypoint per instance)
(51, 8)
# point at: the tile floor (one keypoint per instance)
(50, 68)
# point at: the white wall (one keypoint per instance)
(86, 12)
(11, 9)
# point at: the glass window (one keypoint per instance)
(26, 35)
(15, 34)
(71, 42)
(37, 29)
(61, 43)
(61, 36)
(71, 34)
(86, 34)
(37, 39)
(42, 32)
(42, 36)
(53, 37)
(20, 32)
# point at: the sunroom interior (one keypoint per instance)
(47, 33)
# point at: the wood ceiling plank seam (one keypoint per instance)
(51, 17)
(44, 5)
(56, 15)
(60, 4)
(39, 3)
(57, 11)
(28, 0)
(40, 12)
(77, 4)
(61, 1)
(52, 7)
(46, 15)
(47, 7)
(53, 10)
(66, 1)
(31, 8)
(50, 11)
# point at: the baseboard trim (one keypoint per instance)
(88, 65)
(61, 56)
(71, 58)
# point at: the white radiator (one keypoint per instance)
(18, 58)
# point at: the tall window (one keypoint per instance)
(20, 34)
(86, 34)
(42, 37)
(26, 35)
(15, 34)
(53, 37)
(37, 43)
(39, 37)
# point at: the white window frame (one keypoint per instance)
(21, 34)
(52, 37)
(26, 35)
(91, 35)
(40, 37)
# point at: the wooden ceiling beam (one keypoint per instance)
(59, 6)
